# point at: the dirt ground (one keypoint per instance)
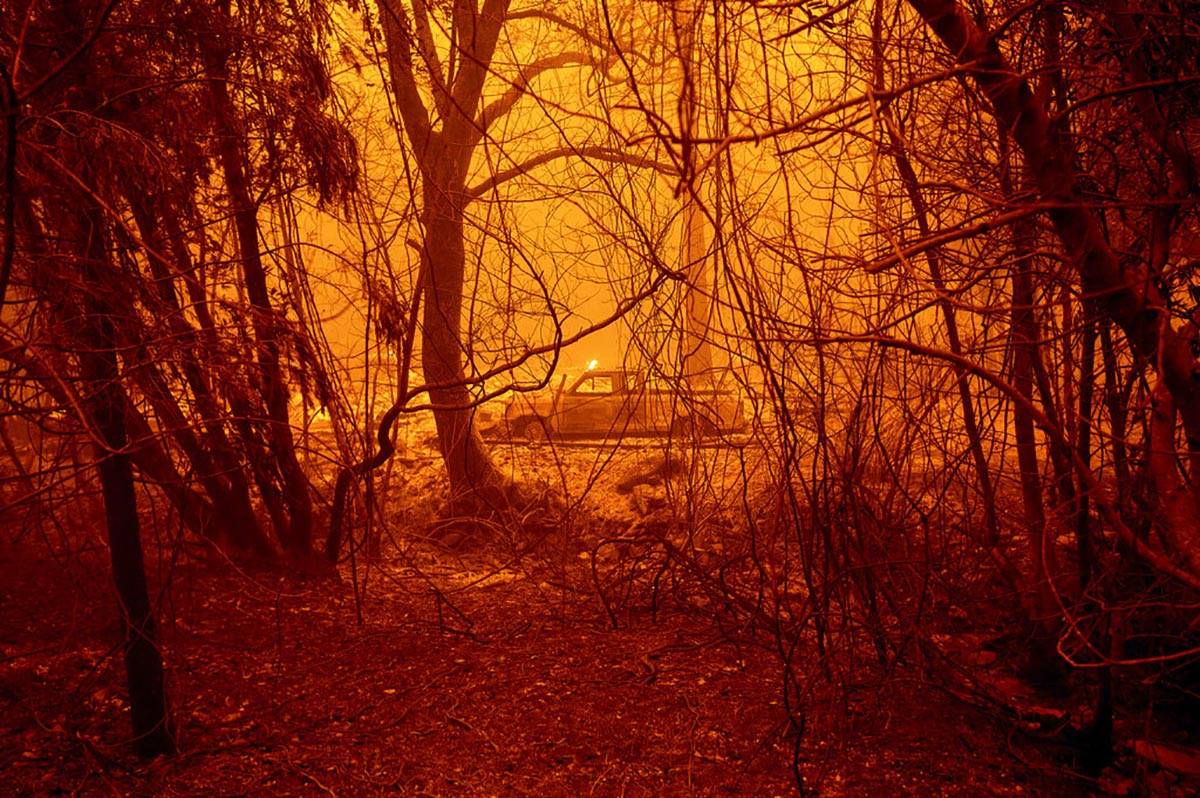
(495, 671)
(521, 689)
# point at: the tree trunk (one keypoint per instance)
(1127, 294)
(1083, 444)
(213, 457)
(297, 534)
(1042, 663)
(696, 356)
(1024, 339)
(146, 451)
(153, 731)
(444, 157)
(474, 481)
(912, 188)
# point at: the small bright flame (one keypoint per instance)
(593, 364)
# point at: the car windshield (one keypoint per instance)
(595, 384)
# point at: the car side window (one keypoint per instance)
(595, 385)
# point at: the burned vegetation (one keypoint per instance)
(487, 397)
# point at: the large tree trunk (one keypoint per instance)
(444, 157)
(474, 482)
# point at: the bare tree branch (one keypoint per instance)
(599, 153)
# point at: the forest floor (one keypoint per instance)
(279, 691)
(438, 672)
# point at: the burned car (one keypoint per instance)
(620, 403)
